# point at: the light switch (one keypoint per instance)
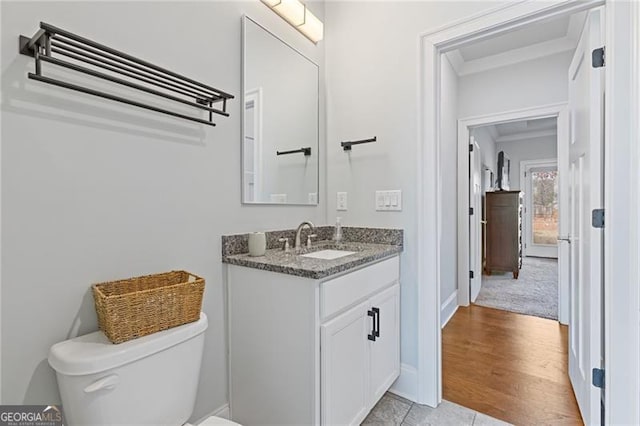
(341, 201)
(389, 200)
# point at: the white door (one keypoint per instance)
(344, 367)
(475, 219)
(385, 350)
(586, 194)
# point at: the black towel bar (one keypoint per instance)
(141, 75)
(346, 145)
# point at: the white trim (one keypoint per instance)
(1, 400)
(456, 60)
(449, 308)
(406, 385)
(576, 24)
(622, 207)
(527, 135)
(562, 153)
(525, 165)
(222, 412)
(428, 185)
(515, 56)
(493, 131)
(464, 124)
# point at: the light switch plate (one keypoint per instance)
(341, 201)
(388, 200)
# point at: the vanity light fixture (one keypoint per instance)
(301, 18)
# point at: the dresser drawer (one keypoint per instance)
(341, 292)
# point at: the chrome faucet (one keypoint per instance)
(298, 246)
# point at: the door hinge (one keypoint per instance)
(470, 211)
(471, 274)
(470, 147)
(597, 58)
(597, 218)
(597, 377)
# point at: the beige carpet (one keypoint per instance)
(535, 292)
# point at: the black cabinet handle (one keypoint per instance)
(376, 330)
(372, 336)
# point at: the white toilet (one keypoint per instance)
(151, 380)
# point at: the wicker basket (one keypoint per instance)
(139, 306)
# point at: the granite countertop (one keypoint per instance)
(291, 263)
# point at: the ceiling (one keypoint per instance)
(531, 34)
(523, 130)
(531, 42)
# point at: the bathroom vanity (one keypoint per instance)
(314, 340)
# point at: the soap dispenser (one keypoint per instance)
(337, 236)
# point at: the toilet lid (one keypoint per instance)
(217, 421)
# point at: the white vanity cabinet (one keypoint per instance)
(305, 351)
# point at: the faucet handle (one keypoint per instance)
(309, 237)
(286, 243)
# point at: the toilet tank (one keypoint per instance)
(151, 380)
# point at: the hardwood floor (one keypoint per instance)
(509, 366)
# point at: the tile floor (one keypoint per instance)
(394, 410)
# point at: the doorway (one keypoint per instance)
(505, 273)
(621, 106)
(463, 226)
(523, 148)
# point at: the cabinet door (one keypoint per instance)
(385, 350)
(344, 368)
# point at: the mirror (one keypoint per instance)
(280, 121)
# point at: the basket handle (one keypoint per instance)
(109, 382)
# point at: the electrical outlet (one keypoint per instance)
(341, 201)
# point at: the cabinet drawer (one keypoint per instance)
(341, 292)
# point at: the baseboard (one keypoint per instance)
(220, 412)
(448, 308)
(406, 385)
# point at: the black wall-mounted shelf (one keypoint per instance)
(346, 145)
(306, 151)
(140, 75)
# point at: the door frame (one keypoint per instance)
(464, 126)
(528, 201)
(622, 324)
(477, 216)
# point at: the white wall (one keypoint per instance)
(372, 62)
(449, 217)
(487, 145)
(529, 149)
(523, 85)
(372, 57)
(95, 191)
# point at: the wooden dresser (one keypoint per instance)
(503, 210)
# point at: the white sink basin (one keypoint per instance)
(328, 254)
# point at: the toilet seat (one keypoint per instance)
(215, 421)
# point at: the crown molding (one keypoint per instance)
(527, 135)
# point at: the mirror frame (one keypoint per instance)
(243, 85)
